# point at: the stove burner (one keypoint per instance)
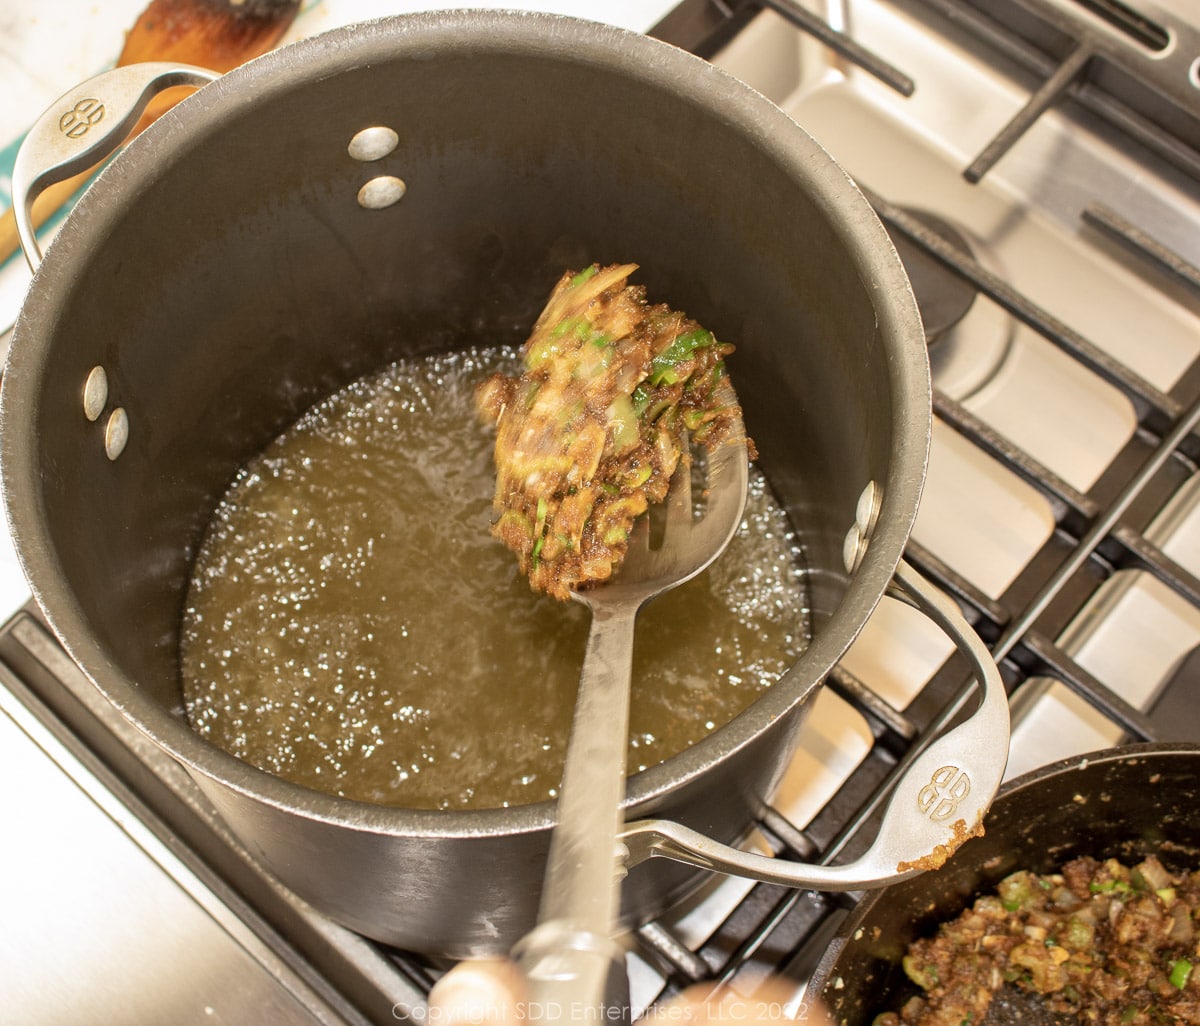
(943, 297)
(968, 341)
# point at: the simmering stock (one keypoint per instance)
(352, 626)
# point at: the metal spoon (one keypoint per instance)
(574, 966)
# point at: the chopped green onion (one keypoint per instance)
(641, 399)
(924, 976)
(622, 418)
(684, 345)
(1016, 891)
(569, 326)
(584, 275)
(1181, 971)
(678, 351)
(518, 518)
(1078, 935)
(639, 476)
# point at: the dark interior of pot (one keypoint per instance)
(1122, 804)
(226, 277)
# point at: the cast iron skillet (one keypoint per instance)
(1124, 803)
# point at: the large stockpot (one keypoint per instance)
(1123, 803)
(224, 275)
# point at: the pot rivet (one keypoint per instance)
(381, 192)
(867, 511)
(865, 514)
(853, 549)
(95, 393)
(373, 143)
(116, 433)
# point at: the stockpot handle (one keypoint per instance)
(938, 803)
(84, 126)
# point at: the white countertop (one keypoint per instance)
(45, 49)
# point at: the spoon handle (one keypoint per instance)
(571, 958)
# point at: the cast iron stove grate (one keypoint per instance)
(1097, 533)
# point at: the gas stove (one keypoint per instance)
(1037, 163)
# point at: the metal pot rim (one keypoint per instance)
(421, 36)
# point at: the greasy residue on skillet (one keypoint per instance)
(352, 626)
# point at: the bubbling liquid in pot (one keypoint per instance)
(352, 626)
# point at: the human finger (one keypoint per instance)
(479, 992)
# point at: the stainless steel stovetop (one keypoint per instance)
(1062, 510)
